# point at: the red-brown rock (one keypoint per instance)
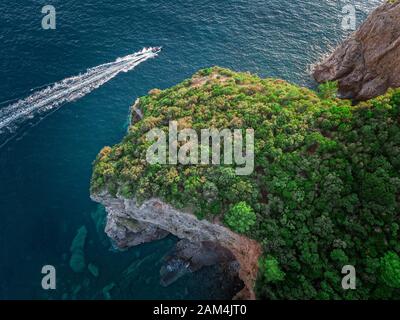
(368, 62)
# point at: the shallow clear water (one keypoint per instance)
(45, 170)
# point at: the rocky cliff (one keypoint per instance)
(129, 224)
(368, 62)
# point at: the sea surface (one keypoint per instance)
(45, 167)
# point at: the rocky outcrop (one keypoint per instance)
(129, 224)
(368, 62)
(123, 228)
(136, 113)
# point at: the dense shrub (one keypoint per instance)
(390, 265)
(269, 269)
(240, 217)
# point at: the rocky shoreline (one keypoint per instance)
(367, 64)
(203, 243)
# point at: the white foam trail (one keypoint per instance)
(69, 89)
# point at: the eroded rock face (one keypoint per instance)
(125, 231)
(368, 62)
(129, 224)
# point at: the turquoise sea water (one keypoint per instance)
(45, 170)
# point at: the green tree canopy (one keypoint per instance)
(240, 217)
(390, 268)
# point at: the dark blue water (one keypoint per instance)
(45, 171)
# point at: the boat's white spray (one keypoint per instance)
(69, 89)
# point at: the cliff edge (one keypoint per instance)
(368, 62)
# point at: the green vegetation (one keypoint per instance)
(325, 191)
(240, 217)
(269, 269)
(390, 265)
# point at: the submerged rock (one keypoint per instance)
(368, 62)
(77, 261)
(107, 289)
(173, 270)
(93, 269)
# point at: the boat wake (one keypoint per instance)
(67, 90)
